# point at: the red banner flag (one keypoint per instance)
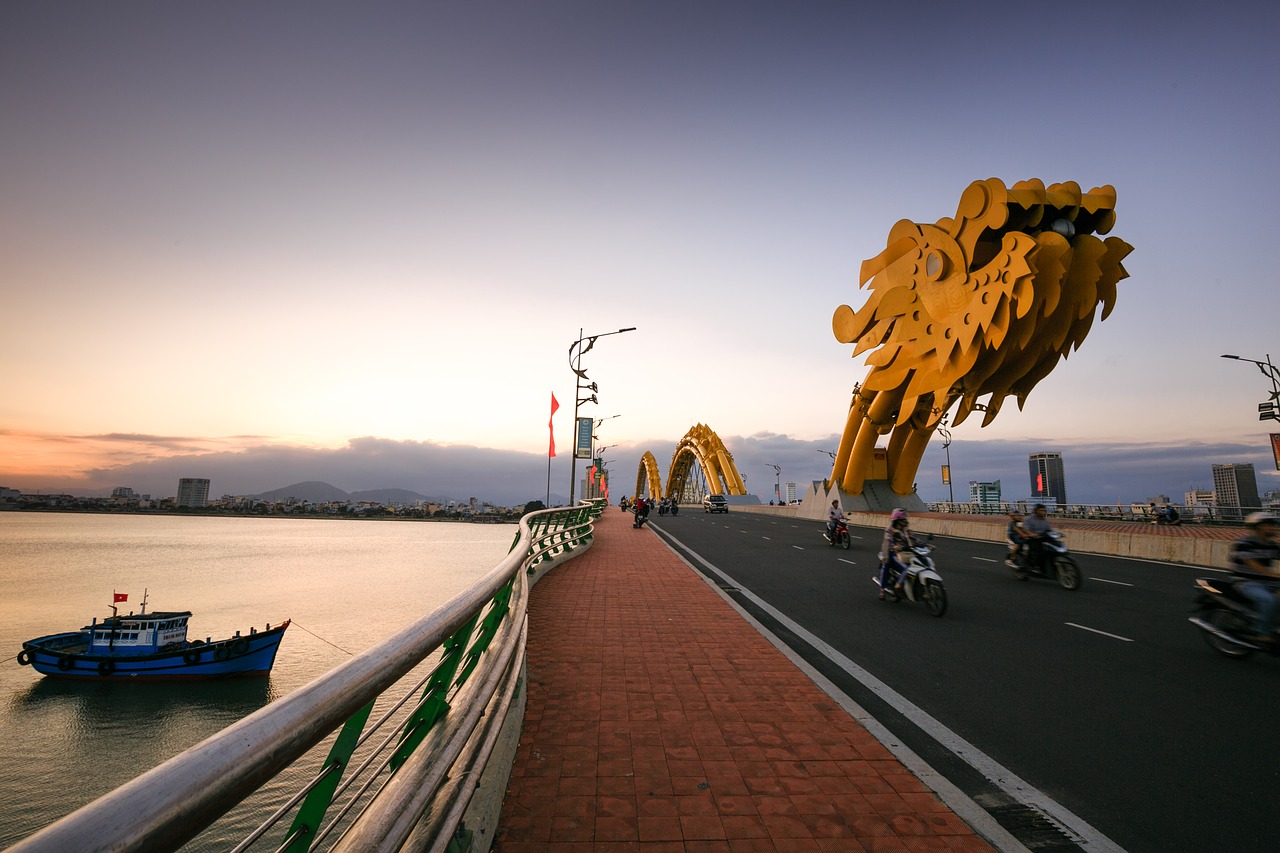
(119, 597)
(551, 425)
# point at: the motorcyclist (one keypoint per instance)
(1254, 559)
(897, 541)
(1017, 539)
(641, 510)
(1036, 529)
(834, 514)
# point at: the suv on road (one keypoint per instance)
(715, 503)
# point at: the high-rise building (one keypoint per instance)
(986, 495)
(193, 492)
(1234, 487)
(789, 493)
(1047, 478)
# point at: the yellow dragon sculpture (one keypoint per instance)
(981, 304)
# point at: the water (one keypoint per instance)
(346, 584)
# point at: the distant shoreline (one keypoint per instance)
(219, 513)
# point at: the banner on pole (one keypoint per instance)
(1275, 448)
(582, 443)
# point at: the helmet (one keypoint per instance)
(898, 514)
(1253, 519)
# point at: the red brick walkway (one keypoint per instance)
(658, 719)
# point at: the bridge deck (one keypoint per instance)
(658, 719)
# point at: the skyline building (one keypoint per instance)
(984, 494)
(1048, 479)
(193, 492)
(1235, 486)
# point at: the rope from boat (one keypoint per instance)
(294, 623)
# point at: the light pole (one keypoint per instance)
(946, 445)
(777, 483)
(1266, 411)
(576, 352)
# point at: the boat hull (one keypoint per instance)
(247, 655)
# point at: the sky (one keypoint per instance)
(283, 241)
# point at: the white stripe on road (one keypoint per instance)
(1104, 580)
(1096, 631)
(797, 547)
(985, 560)
(850, 562)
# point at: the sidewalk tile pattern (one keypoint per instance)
(658, 719)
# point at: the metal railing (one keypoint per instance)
(403, 782)
(1190, 514)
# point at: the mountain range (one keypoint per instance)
(315, 491)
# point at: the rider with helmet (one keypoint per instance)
(1017, 539)
(1254, 560)
(897, 540)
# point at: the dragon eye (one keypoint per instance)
(935, 264)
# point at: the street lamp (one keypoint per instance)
(777, 483)
(1266, 411)
(576, 352)
(946, 445)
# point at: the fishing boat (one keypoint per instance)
(150, 646)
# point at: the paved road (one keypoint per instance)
(1104, 700)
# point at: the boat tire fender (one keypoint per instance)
(240, 646)
(65, 663)
(24, 658)
(106, 667)
(191, 656)
(221, 652)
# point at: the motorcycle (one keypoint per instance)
(1225, 619)
(641, 512)
(675, 508)
(1054, 562)
(922, 583)
(841, 535)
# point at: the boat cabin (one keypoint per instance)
(142, 634)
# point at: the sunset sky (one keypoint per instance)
(258, 232)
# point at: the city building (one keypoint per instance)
(1197, 497)
(985, 495)
(193, 492)
(1235, 487)
(1048, 480)
(790, 493)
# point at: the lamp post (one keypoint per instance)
(1266, 411)
(946, 445)
(777, 483)
(576, 352)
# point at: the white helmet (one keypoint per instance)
(1253, 519)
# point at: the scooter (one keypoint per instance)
(1054, 562)
(675, 507)
(922, 581)
(1225, 619)
(841, 535)
(641, 514)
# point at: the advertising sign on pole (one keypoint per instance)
(582, 439)
(946, 475)
(1275, 448)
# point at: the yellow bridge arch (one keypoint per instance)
(702, 447)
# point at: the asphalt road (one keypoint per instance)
(1104, 700)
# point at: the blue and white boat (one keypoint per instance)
(151, 646)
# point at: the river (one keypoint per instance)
(345, 584)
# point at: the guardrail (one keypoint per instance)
(403, 782)
(1190, 514)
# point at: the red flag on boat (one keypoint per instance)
(551, 426)
(119, 597)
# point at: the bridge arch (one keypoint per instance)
(701, 446)
(647, 475)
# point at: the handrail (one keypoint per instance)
(447, 736)
(1188, 514)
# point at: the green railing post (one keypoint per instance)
(317, 802)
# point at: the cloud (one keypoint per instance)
(1096, 472)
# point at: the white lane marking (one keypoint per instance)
(850, 562)
(766, 538)
(986, 560)
(1088, 838)
(1104, 580)
(1096, 631)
